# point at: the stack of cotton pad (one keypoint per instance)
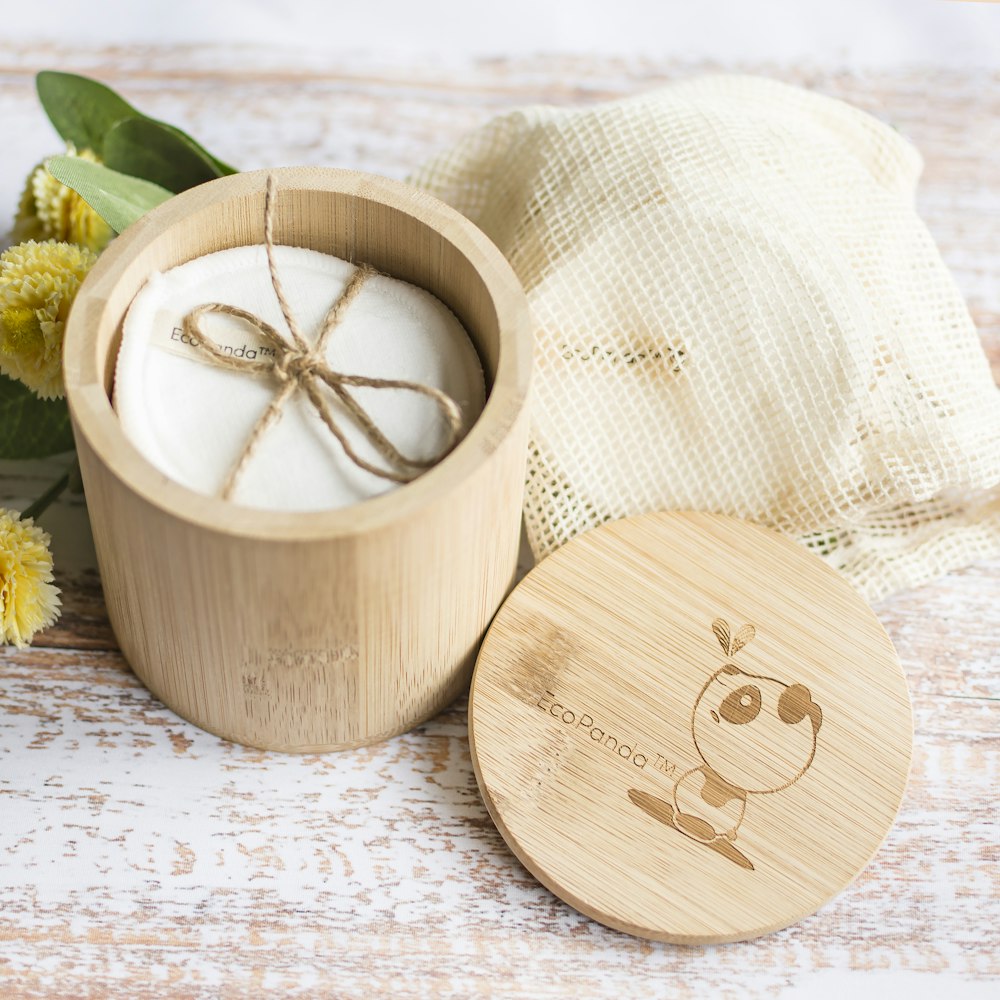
(191, 419)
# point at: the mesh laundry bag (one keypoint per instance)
(738, 310)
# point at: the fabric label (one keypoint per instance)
(236, 338)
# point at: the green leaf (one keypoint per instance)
(31, 427)
(93, 116)
(221, 168)
(117, 198)
(82, 111)
(159, 153)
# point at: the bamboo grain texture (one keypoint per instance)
(667, 790)
(319, 630)
(141, 857)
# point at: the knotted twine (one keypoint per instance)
(297, 365)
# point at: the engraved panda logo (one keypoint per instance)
(756, 735)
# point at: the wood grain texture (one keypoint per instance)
(321, 630)
(141, 857)
(689, 727)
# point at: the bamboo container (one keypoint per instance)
(307, 631)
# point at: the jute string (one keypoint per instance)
(296, 365)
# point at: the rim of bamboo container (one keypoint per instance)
(92, 335)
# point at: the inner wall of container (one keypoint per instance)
(349, 226)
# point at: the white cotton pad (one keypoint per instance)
(192, 419)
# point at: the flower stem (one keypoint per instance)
(47, 498)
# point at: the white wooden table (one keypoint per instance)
(141, 857)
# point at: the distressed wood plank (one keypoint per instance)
(134, 843)
(140, 857)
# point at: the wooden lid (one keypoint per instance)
(690, 728)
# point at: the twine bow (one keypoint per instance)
(295, 364)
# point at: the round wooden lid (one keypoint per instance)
(690, 728)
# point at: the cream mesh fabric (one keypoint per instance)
(738, 310)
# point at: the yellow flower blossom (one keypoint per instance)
(28, 600)
(38, 282)
(27, 224)
(49, 210)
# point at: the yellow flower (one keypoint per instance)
(51, 211)
(27, 224)
(28, 600)
(38, 282)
